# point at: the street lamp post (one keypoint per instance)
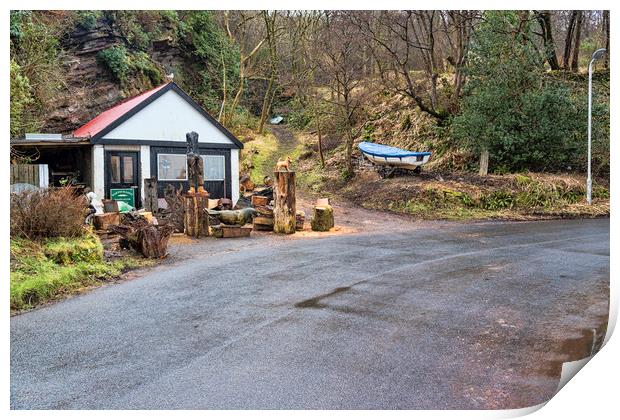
(597, 54)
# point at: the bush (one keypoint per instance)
(50, 212)
(511, 108)
(116, 60)
(87, 19)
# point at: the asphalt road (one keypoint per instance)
(435, 316)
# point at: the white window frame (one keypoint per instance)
(174, 179)
(223, 165)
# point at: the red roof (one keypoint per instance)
(106, 118)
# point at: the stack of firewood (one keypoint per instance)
(264, 219)
(300, 218)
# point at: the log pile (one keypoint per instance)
(263, 220)
(300, 218)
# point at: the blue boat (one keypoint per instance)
(393, 156)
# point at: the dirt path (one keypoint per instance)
(287, 142)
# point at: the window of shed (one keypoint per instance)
(215, 169)
(171, 167)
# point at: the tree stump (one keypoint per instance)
(150, 240)
(284, 210)
(153, 241)
(323, 218)
(196, 219)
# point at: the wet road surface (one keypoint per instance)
(435, 316)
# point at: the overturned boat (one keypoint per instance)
(393, 157)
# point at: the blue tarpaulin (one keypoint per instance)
(381, 150)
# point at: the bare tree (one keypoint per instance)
(272, 33)
(239, 31)
(342, 63)
(402, 43)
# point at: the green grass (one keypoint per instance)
(530, 197)
(42, 271)
(264, 161)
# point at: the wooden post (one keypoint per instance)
(284, 202)
(196, 220)
(150, 195)
(484, 162)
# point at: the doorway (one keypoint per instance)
(122, 180)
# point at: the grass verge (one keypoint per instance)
(468, 197)
(48, 269)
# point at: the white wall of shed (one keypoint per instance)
(98, 171)
(145, 166)
(234, 173)
(168, 118)
(44, 176)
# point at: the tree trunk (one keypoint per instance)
(484, 162)
(575, 62)
(544, 18)
(568, 42)
(606, 29)
(320, 140)
(284, 209)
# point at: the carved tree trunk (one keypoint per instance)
(196, 221)
(284, 210)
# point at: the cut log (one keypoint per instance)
(323, 219)
(105, 220)
(259, 200)
(300, 218)
(263, 223)
(224, 231)
(284, 202)
(110, 206)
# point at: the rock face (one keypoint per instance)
(90, 87)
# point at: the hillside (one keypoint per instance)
(79, 63)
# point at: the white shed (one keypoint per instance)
(144, 137)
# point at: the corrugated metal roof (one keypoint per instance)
(106, 118)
